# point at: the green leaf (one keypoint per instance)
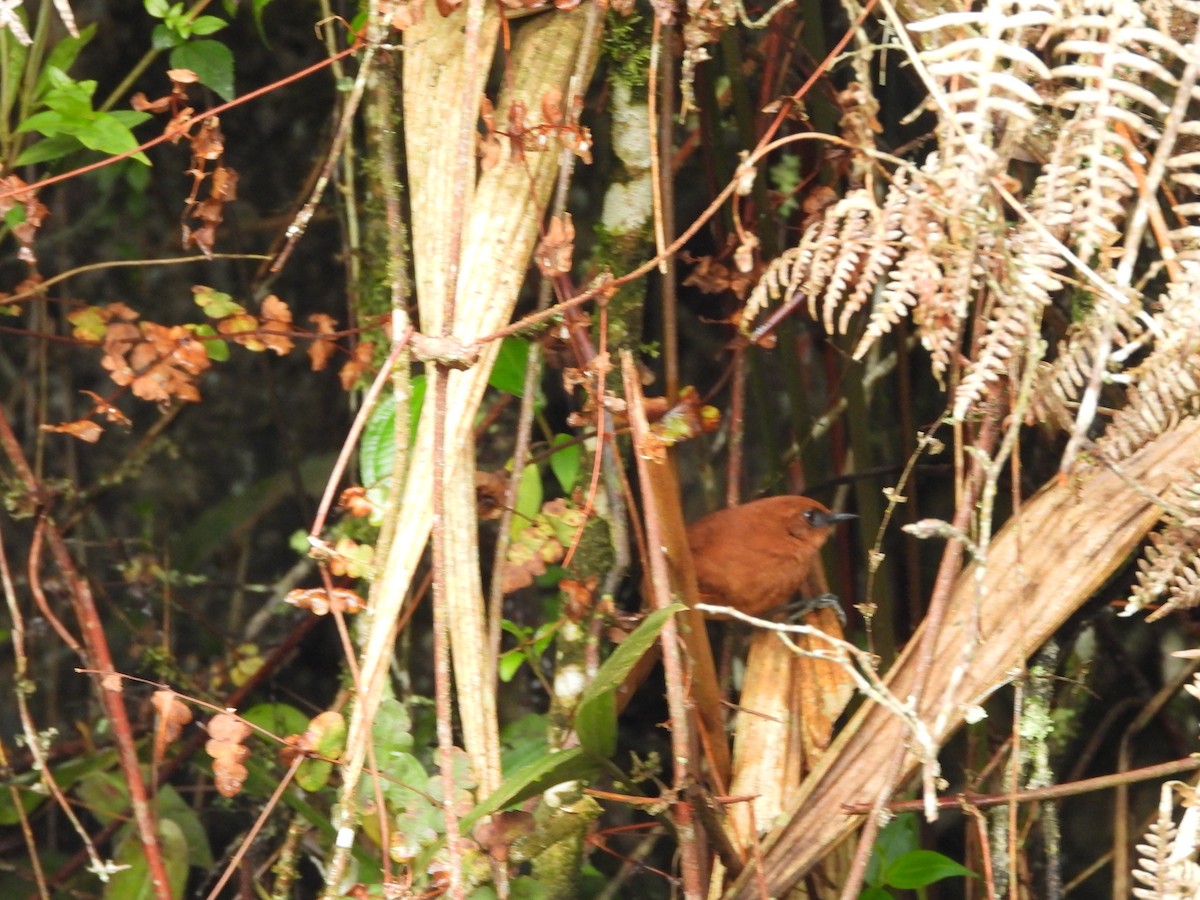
(108, 135)
(104, 795)
(158, 8)
(540, 775)
(64, 54)
(529, 499)
(216, 304)
(216, 349)
(134, 882)
(510, 663)
(565, 461)
(875, 893)
(391, 729)
(212, 62)
(898, 837)
(202, 25)
(280, 719)
(596, 715)
(327, 731)
(47, 123)
(164, 38)
(50, 149)
(508, 374)
(920, 868)
(171, 806)
(257, 7)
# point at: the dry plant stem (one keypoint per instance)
(256, 827)
(666, 191)
(376, 32)
(1121, 837)
(682, 764)
(1072, 537)
(501, 235)
(98, 657)
(356, 428)
(20, 670)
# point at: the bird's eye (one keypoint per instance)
(810, 516)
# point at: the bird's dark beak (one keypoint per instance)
(822, 519)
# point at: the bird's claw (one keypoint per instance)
(797, 610)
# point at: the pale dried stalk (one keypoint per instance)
(1067, 540)
(501, 232)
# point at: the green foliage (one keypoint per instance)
(897, 862)
(785, 178)
(212, 61)
(68, 121)
(565, 460)
(595, 725)
(531, 645)
(508, 374)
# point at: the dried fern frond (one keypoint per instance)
(1166, 865)
(1170, 565)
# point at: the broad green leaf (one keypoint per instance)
(391, 729)
(169, 805)
(596, 715)
(164, 38)
(508, 374)
(50, 149)
(134, 882)
(327, 733)
(875, 893)
(529, 499)
(565, 461)
(280, 719)
(108, 135)
(212, 62)
(895, 839)
(540, 775)
(523, 741)
(406, 782)
(920, 868)
(509, 664)
(104, 795)
(47, 123)
(158, 8)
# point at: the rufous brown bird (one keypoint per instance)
(757, 556)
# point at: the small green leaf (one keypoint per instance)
(203, 25)
(164, 38)
(326, 734)
(596, 715)
(48, 150)
(508, 373)
(538, 776)
(108, 135)
(920, 868)
(216, 349)
(212, 62)
(64, 54)
(216, 304)
(510, 663)
(157, 8)
(565, 461)
(529, 499)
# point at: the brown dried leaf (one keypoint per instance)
(83, 429)
(321, 348)
(557, 247)
(357, 365)
(276, 325)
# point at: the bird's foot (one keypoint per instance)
(798, 609)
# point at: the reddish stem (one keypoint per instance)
(98, 656)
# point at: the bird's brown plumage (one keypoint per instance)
(757, 556)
